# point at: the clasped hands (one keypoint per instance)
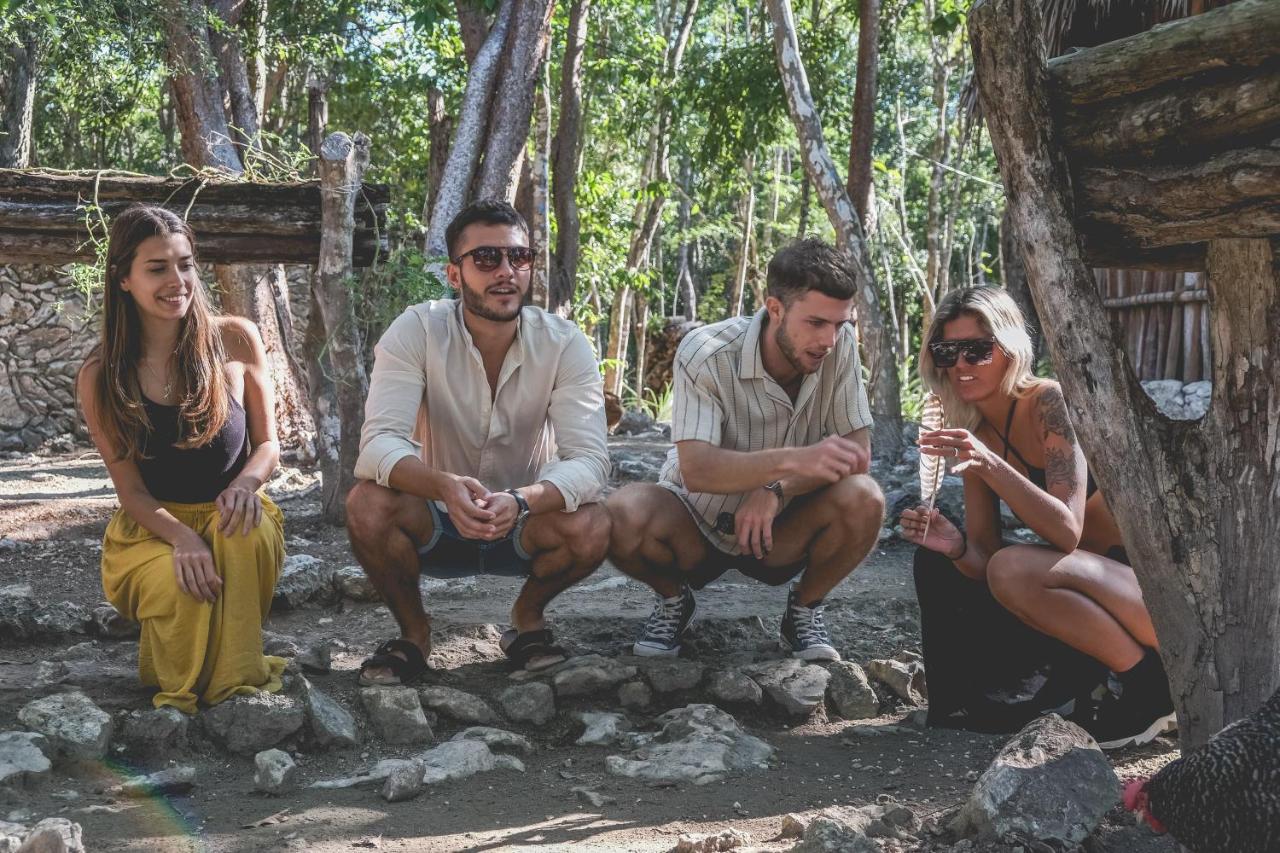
(477, 512)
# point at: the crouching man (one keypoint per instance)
(769, 470)
(483, 445)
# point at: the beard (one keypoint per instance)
(789, 350)
(473, 301)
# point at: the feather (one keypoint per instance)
(931, 467)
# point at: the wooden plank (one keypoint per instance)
(1104, 250)
(1162, 297)
(63, 247)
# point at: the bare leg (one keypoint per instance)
(566, 547)
(386, 528)
(655, 540)
(831, 531)
(1091, 603)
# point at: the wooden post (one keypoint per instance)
(1198, 503)
(342, 164)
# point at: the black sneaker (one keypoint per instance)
(1135, 707)
(803, 632)
(666, 625)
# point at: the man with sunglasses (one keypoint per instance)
(769, 470)
(482, 450)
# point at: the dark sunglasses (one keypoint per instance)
(975, 350)
(487, 258)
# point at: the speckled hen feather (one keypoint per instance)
(931, 467)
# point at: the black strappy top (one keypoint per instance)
(197, 474)
(1034, 474)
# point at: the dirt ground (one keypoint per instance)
(57, 507)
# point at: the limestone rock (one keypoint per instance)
(404, 782)
(1050, 783)
(456, 759)
(826, 834)
(54, 835)
(22, 757)
(729, 839)
(797, 687)
(249, 724)
(904, 678)
(850, 693)
(498, 740)
(18, 607)
(698, 743)
(396, 714)
(156, 731)
(331, 724)
(304, 578)
(672, 675)
(377, 773)
(634, 694)
(355, 584)
(734, 687)
(461, 706)
(589, 674)
(171, 780)
(528, 703)
(63, 617)
(275, 772)
(603, 728)
(75, 727)
(316, 657)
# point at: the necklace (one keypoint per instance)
(166, 389)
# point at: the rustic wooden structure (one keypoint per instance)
(1198, 502)
(42, 216)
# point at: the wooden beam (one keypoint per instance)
(42, 216)
(1101, 252)
(1239, 35)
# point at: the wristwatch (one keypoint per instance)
(776, 488)
(522, 506)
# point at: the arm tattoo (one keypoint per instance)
(1059, 467)
(1053, 416)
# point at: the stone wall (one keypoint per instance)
(44, 335)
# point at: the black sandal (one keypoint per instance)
(407, 669)
(532, 650)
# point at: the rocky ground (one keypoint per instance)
(730, 747)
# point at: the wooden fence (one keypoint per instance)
(1164, 317)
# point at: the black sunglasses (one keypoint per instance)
(976, 351)
(487, 258)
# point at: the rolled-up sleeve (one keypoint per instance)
(581, 464)
(395, 395)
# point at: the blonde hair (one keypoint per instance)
(1000, 317)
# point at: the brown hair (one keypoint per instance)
(122, 417)
(809, 264)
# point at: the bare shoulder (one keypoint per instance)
(241, 339)
(90, 371)
(1051, 411)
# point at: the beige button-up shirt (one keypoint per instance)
(429, 397)
(723, 396)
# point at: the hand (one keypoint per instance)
(193, 568)
(505, 511)
(463, 497)
(238, 506)
(830, 460)
(753, 522)
(960, 445)
(943, 537)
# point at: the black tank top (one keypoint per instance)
(1034, 474)
(193, 475)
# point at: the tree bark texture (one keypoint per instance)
(747, 209)
(342, 164)
(317, 114)
(1015, 281)
(878, 344)
(1204, 550)
(225, 42)
(474, 27)
(864, 107)
(197, 92)
(440, 126)
(540, 221)
(512, 103)
(17, 100)
(469, 138)
(564, 162)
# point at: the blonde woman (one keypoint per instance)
(994, 614)
(178, 402)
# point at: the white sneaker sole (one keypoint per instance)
(1160, 725)
(654, 651)
(827, 654)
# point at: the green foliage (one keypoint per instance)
(404, 278)
(656, 405)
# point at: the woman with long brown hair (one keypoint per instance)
(179, 403)
(994, 613)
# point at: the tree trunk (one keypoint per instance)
(539, 222)
(564, 166)
(474, 28)
(1015, 281)
(317, 115)
(747, 208)
(315, 349)
(642, 341)
(469, 139)
(342, 164)
(513, 99)
(1198, 503)
(18, 98)
(686, 293)
(225, 42)
(878, 344)
(440, 129)
(864, 108)
(197, 92)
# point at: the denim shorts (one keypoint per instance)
(449, 554)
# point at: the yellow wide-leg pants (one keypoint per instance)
(195, 650)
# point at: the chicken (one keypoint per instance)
(1224, 796)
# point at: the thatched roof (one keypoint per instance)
(1085, 23)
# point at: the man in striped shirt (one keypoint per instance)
(769, 470)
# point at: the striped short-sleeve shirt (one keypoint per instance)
(723, 396)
